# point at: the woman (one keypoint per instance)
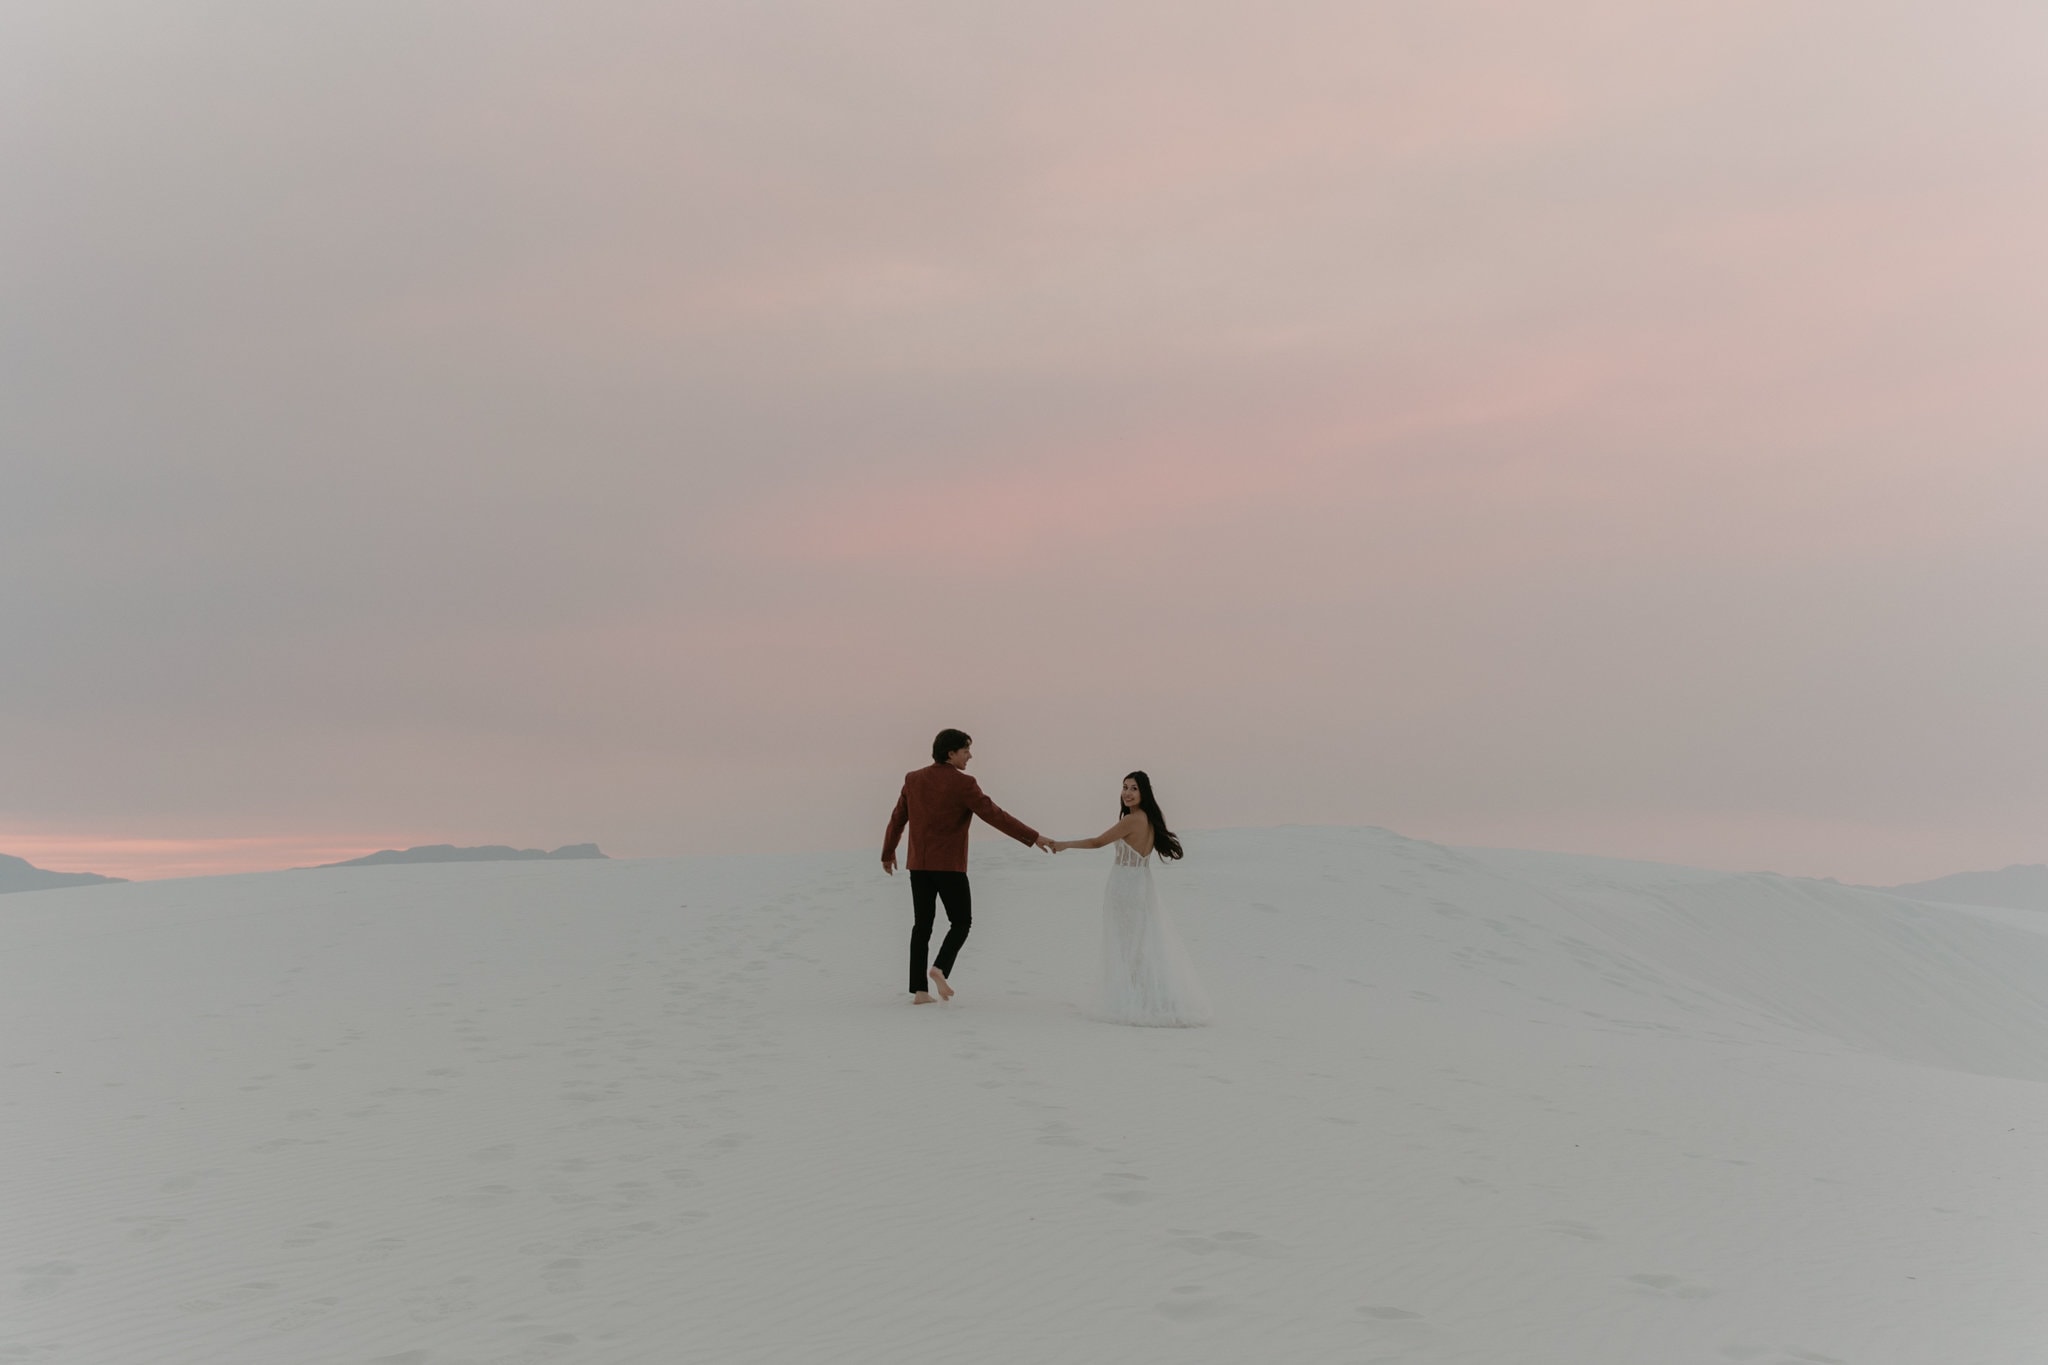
(1146, 975)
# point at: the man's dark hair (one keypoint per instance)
(947, 741)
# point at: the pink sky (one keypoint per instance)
(1612, 427)
(146, 859)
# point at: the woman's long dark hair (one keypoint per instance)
(1164, 842)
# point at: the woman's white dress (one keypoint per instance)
(1147, 977)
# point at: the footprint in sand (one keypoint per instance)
(151, 1228)
(1232, 1240)
(1191, 1303)
(594, 1240)
(444, 1300)
(383, 1249)
(563, 1275)
(1571, 1229)
(631, 1194)
(1667, 1287)
(1119, 1187)
(302, 1315)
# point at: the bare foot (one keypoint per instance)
(939, 979)
(924, 998)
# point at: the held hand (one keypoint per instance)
(1047, 844)
(889, 866)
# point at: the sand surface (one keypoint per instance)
(1458, 1106)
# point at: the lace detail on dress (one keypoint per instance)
(1147, 977)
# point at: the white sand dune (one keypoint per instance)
(1458, 1106)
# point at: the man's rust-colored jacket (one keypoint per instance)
(938, 803)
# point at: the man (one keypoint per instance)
(938, 803)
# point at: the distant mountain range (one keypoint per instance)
(2023, 886)
(16, 874)
(449, 853)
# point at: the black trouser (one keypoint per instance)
(926, 890)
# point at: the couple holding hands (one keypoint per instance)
(1146, 975)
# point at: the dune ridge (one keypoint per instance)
(18, 874)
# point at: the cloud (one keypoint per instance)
(458, 422)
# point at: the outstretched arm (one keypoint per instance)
(1122, 829)
(1002, 819)
(898, 818)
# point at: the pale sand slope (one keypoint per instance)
(1459, 1107)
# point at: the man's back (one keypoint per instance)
(937, 805)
